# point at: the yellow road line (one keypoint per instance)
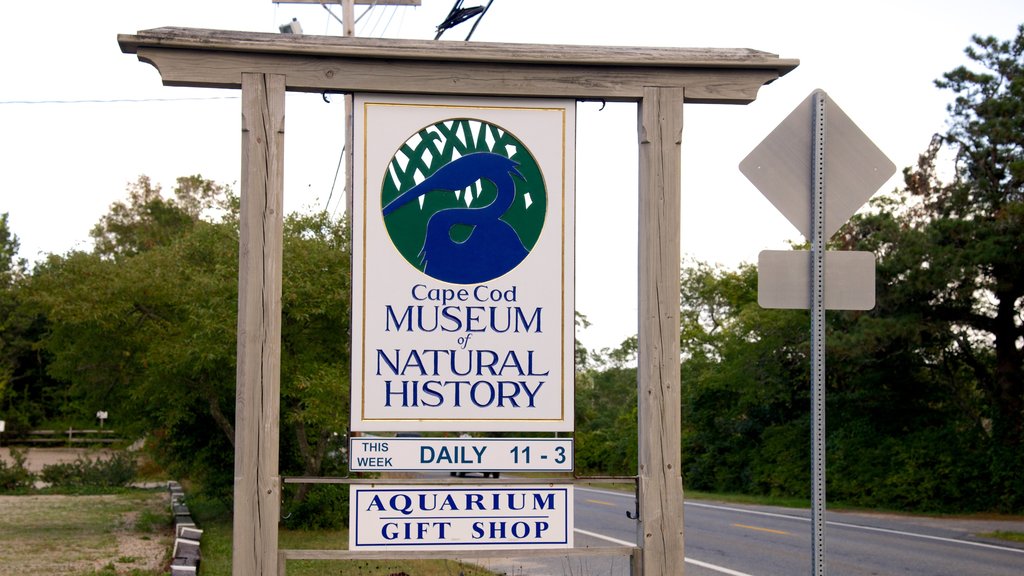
(601, 502)
(762, 529)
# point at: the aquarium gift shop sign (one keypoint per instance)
(462, 228)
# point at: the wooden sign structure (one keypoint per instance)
(265, 66)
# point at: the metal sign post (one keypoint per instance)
(818, 339)
(779, 167)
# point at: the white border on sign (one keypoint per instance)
(375, 454)
(416, 517)
(538, 396)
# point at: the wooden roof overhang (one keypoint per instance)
(218, 58)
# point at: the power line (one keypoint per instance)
(119, 100)
(337, 170)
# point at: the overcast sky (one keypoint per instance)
(79, 120)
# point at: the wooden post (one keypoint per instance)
(660, 530)
(257, 490)
(348, 17)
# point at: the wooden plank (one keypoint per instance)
(444, 481)
(460, 554)
(212, 58)
(257, 419)
(491, 52)
(660, 529)
(308, 74)
(348, 18)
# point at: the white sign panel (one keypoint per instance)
(784, 279)
(460, 454)
(462, 312)
(470, 517)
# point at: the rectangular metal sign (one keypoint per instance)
(460, 454)
(463, 518)
(784, 279)
(462, 282)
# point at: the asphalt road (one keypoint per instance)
(741, 540)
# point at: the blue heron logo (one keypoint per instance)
(463, 201)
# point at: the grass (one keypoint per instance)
(1007, 536)
(1001, 535)
(783, 502)
(215, 520)
(94, 535)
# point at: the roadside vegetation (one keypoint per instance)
(1003, 535)
(117, 470)
(925, 391)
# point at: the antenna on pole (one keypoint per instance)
(458, 15)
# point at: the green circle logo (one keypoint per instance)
(463, 201)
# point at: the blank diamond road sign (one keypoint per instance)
(780, 167)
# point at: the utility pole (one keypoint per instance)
(348, 9)
(348, 24)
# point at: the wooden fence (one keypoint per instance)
(68, 437)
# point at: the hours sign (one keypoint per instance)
(463, 264)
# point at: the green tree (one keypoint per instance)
(924, 393)
(145, 330)
(606, 425)
(744, 386)
(949, 248)
(9, 273)
(145, 327)
(11, 266)
(977, 221)
(149, 220)
(23, 390)
(315, 362)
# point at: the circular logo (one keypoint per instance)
(463, 201)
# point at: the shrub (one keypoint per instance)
(15, 477)
(325, 506)
(117, 471)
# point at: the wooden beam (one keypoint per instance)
(460, 554)
(224, 70)
(257, 489)
(660, 529)
(212, 58)
(453, 51)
